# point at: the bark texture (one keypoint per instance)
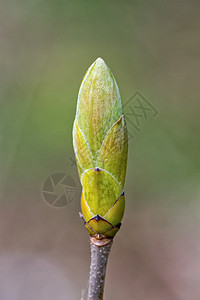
(99, 258)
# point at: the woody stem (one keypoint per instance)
(99, 257)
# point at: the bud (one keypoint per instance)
(101, 145)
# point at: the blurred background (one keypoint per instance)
(152, 47)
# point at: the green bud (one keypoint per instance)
(101, 145)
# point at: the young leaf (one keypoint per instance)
(101, 146)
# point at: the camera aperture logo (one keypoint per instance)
(59, 190)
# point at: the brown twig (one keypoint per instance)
(100, 250)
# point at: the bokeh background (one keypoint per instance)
(152, 47)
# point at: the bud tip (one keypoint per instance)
(100, 62)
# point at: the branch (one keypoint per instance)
(100, 250)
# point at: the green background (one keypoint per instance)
(151, 47)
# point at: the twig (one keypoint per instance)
(100, 250)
